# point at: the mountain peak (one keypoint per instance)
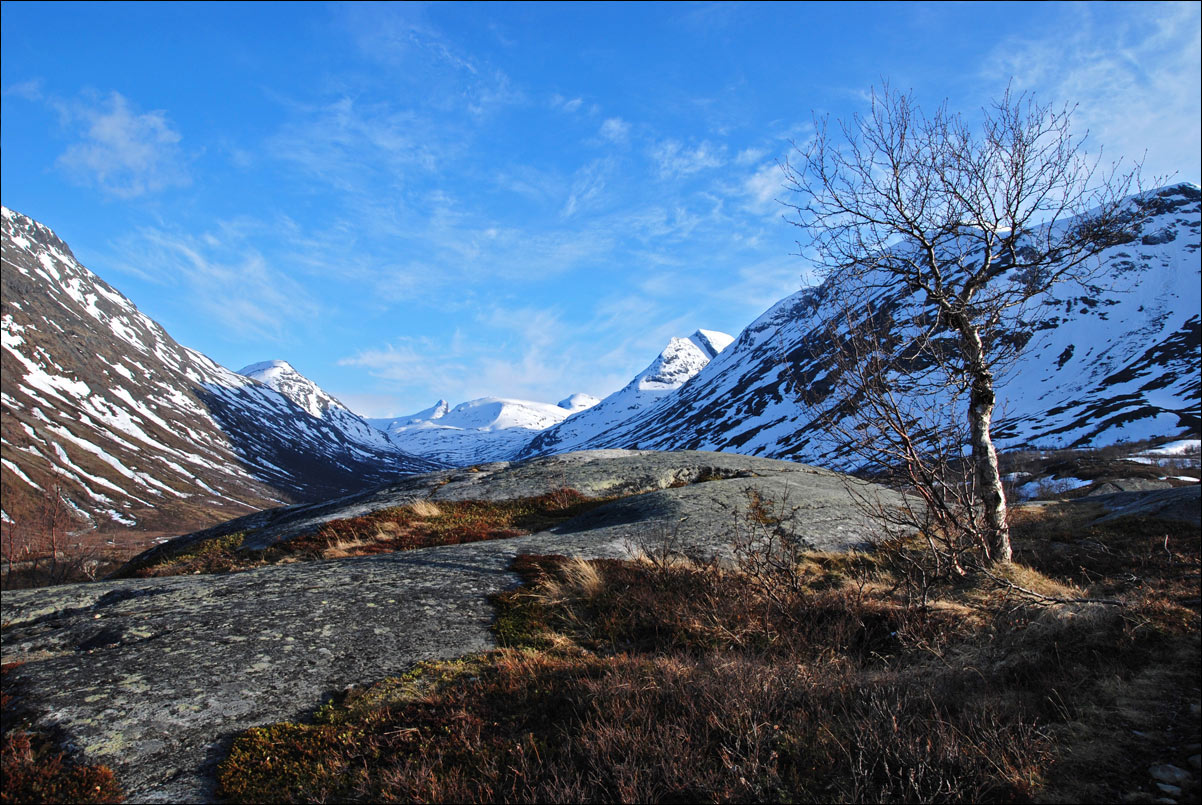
(283, 378)
(265, 367)
(578, 402)
(680, 360)
(711, 341)
(480, 430)
(137, 430)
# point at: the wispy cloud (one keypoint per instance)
(615, 130)
(413, 51)
(765, 186)
(522, 356)
(1136, 91)
(672, 159)
(566, 104)
(221, 273)
(30, 90)
(123, 152)
(345, 143)
(749, 156)
(587, 187)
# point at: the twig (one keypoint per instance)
(1049, 598)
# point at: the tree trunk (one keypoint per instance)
(989, 478)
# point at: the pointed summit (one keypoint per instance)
(676, 365)
(711, 341)
(281, 376)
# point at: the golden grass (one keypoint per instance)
(662, 680)
(420, 524)
(425, 508)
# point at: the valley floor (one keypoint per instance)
(1072, 676)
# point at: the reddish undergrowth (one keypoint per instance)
(422, 524)
(666, 680)
(427, 524)
(34, 768)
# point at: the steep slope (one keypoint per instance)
(676, 365)
(280, 376)
(137, 430)
(473, 432)
(1120, 360)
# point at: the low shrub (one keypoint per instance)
(421, 524)
(665, 679)
(33, 768)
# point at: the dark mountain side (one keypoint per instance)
(136, 430)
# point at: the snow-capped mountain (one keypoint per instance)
(137, 430)
(578, 402)
(280, 375)
(477, 431)
(676, 365)
(1119, 360)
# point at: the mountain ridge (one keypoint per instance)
(134, 429)
(1113, 365)
(676, 365)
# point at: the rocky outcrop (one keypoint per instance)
(594, 473)
(1183, 504)
(154, 677)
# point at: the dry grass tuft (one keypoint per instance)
(576, 579)
(425, 508)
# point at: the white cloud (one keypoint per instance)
(765, 185)
(674, 159)
(29, 90)
(414, 51)
(224, 276)
(413, 364)
(615, 130)
(566, 104)
(518, 352)
(1137, 88)
(344, 143)
(749, 156)
(587, 187)
(122, 152)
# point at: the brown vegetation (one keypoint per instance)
(422, 524)
(35, 769)
(669, 679)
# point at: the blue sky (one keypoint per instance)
(416, 201)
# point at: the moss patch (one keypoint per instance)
(216, 555)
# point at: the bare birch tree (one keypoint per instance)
(974, 226)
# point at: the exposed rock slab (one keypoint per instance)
(594, 473)
(1183, 503)
(154, 677)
